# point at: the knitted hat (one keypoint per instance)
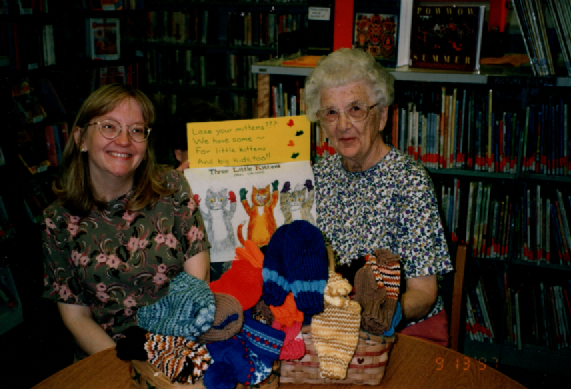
(294, 347)
(287, 313)
(242, 281)
(276, 287)
(179, 359)
(228, 319)
(335, 331)
(187, 310)
(306, 266)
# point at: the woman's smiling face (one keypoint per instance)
(114, 161)
(359, 143)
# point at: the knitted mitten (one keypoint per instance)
(335, 331)
(263, 343)
(231, 365)
(187, 310)
(179, 359)
(371, 296)
(306, 266)
(294, 347)
(287, 313)
(389, 271)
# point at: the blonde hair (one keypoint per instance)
(343, 67)
(74, 189)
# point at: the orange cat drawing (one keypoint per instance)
(261, 225)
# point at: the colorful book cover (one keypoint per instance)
(446, 37)
(103, 39)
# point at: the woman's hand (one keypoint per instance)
(87, 333)
(183, 166)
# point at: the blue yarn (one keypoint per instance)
(395, 322)
(307, 268)
(187, 311)
(276, 286)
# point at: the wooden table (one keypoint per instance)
(413, 363)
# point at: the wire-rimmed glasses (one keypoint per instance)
(110, 129)
(356, 112)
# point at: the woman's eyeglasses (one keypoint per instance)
(356, 112)
(110, 129)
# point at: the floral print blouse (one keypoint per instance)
(392, 206)
(115, 261)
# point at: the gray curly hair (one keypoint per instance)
(342, 67)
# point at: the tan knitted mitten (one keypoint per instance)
(335, 331)
(371, 296)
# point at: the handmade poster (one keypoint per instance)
(240, 198)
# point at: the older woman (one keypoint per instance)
(371, 196)
(121, 228)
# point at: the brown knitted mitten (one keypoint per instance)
(371, 296)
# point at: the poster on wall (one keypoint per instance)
(249, 177)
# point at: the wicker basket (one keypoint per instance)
(144, 376)
(366, 368)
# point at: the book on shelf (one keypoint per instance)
(103, 38)
(49, 98)
(446, 37)
(376, 29)
(32, 150)
(531, 20)
(561, 12)
(27, 103)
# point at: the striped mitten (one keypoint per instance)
(335, 331)
(389, 273)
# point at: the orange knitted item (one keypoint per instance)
(252, 253)
(287, 313)
(243, 281)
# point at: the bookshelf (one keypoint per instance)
(206, 49)
(518, 269)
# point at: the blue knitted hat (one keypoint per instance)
(188, 309)
(307, 266)
(276, 287)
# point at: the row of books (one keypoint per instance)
(23, 7)
(27, 47)
(531, 223)
(213, 26)
(528, 312)
(184, 67)
(531, 18)
(561, 13)
(480, 129)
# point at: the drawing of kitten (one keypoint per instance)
(296, 205)
(262, 223)
(218, 211)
